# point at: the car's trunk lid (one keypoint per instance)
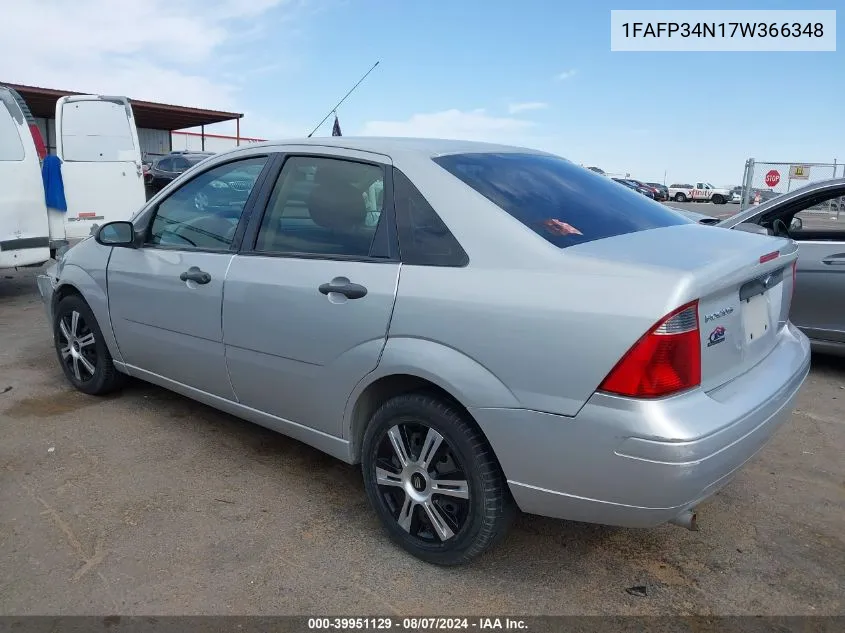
(743, 283)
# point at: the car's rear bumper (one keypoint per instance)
(639, 463)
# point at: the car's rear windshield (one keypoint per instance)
(564, 203)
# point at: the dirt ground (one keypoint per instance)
(149, 503)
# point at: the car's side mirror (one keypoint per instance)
(796, 225)
(118, 233)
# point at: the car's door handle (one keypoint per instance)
(835, 260)
(196, 275)
(344, 287)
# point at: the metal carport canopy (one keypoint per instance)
(156, 116)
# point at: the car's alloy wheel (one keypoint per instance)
(81, 348)
(422, 482)
(77, 346)
(680, 198)
(433, 480)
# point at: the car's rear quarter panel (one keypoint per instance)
(546, 325)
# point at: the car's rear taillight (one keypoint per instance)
(666, 360)
(40, 148)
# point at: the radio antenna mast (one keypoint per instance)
(334, 109)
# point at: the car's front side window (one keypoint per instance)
(323, 206)
(204, 212)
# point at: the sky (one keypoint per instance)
(535, 73)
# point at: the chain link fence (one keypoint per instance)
(764, 180)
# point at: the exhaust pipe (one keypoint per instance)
(686, 519)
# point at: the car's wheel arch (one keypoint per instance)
(76, 281)
(446, 373)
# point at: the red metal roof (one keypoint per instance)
(156, 116)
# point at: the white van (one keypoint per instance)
(24, 224)
(97, 142)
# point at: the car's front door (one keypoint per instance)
(165, 297)
(308, 300)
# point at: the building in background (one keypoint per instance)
(162, 127)
(197, 142)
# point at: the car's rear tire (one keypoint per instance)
(81, 348)
(717, 199)
(434, 481)
(679, 197)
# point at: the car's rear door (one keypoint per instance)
(309, 298)
(97, 141)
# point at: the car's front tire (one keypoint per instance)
(434, 481)
(81, 348)
(717, 199)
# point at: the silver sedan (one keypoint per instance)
(483, 328)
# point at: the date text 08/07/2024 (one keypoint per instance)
(722, 29)
(416, 624)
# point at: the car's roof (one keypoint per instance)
(392, 145)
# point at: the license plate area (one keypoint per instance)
(755, 317)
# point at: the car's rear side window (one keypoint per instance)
(564, 203)
(11, 147)
(424, 240)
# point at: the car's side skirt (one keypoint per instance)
(334, 446)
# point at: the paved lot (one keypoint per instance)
(716, 210)
(148, 503)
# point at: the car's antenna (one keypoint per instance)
(334, 109)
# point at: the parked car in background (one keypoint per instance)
(699, 192)
(818, 306)
(165, 169)
(705, 192)
(736, 195)
(662, 191)
(656, 194)
(633, 184)
(287, 308)
(680, 192)
(27, 234)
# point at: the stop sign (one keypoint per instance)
(772, 178)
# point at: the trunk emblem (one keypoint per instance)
(716, 336)
(718, 315)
